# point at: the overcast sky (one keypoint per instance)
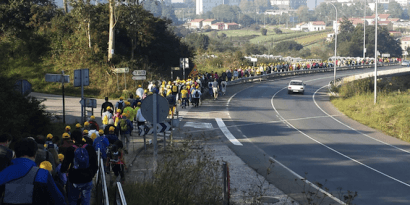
(311, 3)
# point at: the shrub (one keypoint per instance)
(264, 31)
(288, 45)
(277, 31)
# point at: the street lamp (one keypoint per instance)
(375, 58)
(364, 32)
(335, 62)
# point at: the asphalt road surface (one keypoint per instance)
(309, 136)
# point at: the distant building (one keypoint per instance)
(395, 34)
(231, 26)
(277, 12)
(387, 24)
(316, 25)
(301, 27)
(405, 43)
(288, 4)
(203, 6)
(208, 22)
(196, 23)
(218, 26)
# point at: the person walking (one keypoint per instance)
(120, 104)
(35, 186)
(6, 154)
(196, 96)
(139, 91)
(105, 105)
(80, 161)
(125, 127)
(215, 89)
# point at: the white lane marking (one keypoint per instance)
(352, 127)
(373, 169)
(226, 132)
(308, 182)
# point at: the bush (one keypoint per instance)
(288, 45)
(23, 115)
(277, 31)
(255, 27)
(264, 31)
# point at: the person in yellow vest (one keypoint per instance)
(130, 111)
(184, 97)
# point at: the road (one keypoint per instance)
(307, 135)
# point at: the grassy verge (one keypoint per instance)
(390, 115)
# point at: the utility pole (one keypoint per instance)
(364, 32)
(111, 38)
(375, 58)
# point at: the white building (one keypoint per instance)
(288, 4)
(316, 25)
(203, 6)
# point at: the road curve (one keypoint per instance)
(307, 135)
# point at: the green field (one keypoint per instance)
(255, 37)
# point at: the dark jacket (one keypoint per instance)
(78, 176)
(45, 190)
(6, 155)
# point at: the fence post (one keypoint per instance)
(225, 189)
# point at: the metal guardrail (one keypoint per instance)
(300, 72)
(101, 183)
(119, 195)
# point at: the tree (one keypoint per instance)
(262, 5)
(246, 21)
(303, 14)
(395, 10)
(277, 30)
(264, 31)
(288, 45)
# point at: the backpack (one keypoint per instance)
(115, 157)
(98, 144)
(41, 156)
(123, 125)
(81, 157)
(174, 89)
(120, 105)
(196, 95)
(23, 184)
(105, 120)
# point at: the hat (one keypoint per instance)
(67, 127)
(139, 103)
(78, 125)
(118, 110)
(108, 108)
(125, 115)
(66, 135)
(100, 132)
(145, 91)
(84, 140)
(85, 131)
(127, 103)
(46, 165)
(86, 124)
(50, 136)
(61, 157)
(139, 86)
(111, 129)
(92, 117)
(137, 96)
(93, 136)
(121, 98)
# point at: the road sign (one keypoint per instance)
(164, 126)
(56, 78)
(23, 86)
(161, 127)
(254, 60)
(139, 72)
(386, 55)
(87, 102)
(147, 108)
(139, 77)
(184, 62)
(81, 75)
(175, 68)
(121, 70)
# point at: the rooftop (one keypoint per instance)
(209, 20)
(318, 23)
(196, 20)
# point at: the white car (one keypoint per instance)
(405, 63)
(296, 86)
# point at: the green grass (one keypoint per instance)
(390, 115)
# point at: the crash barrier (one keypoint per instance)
(101, 188)
(301, 72)
(119, 195)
